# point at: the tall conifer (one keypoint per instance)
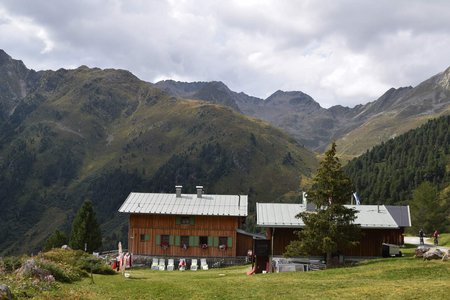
(85, 229)
(330, 227)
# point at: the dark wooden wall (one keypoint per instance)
(370, 243)
(153, 225)
(243, 244)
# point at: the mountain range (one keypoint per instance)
(71, 135)
(355, 129)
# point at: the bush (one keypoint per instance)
(62, 272)
(78, 259)
(10, 263)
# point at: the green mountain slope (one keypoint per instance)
(389, 172)
(99, 134)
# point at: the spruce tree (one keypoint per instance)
(330, 228)
(85, 229)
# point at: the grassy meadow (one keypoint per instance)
(392, 278)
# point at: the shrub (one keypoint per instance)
(10, 263)
(62, 272)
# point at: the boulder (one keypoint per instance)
(433, 254)
(420, 251)
(65, 247)
(27, 268)
(30, 269)
(5, 292)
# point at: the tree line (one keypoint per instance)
(389, 172)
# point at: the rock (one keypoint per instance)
(66, 247)
(27, 268)
(433, 254)
(445, 257)
(5, 292)
(30, 269)
(420, 251)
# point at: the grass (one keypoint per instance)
(394, 278)
(444, 239)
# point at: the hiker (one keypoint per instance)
(436, 235)
(421, 234)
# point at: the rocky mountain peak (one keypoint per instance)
(293, 98)
(4, 57)
(445, 79)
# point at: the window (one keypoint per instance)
(203, 242)
(185, 220)
(165, 241)
(223, 242)
(184, 242)
(145, 237)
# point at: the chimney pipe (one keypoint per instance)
(378, 207)
(178, 190)
(199, 191)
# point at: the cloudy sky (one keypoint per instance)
(338, 51)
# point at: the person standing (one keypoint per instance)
(421, 235)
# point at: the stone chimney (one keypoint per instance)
(178, 190)
(199, 191)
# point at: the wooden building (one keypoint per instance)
(379, 223)
(187, 225)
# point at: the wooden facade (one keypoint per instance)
(186, 236)
(370, 242)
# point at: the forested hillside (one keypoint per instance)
(390, 172)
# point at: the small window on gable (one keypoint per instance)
(185, 220)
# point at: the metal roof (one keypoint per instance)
(400, 214)
(368, 216)
(278, 215)
(187, 204)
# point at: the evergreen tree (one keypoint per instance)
(330, 228)
(56, 240)
(85, 229)
(428, 210)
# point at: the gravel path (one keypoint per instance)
(415, 240)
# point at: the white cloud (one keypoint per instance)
(340, 52)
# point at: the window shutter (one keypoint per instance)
(230, 242)
(192, 241)
(170, 239)
(177, 240)
(178, 220)
(147, 237)
(196, 241)
(216, 241)
(210, 240)
(192, 220)
(158, 239)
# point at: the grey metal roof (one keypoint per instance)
(368, 216)
(400, 214)
(278, 215)
(187, 204)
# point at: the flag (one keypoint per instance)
(356, 199)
